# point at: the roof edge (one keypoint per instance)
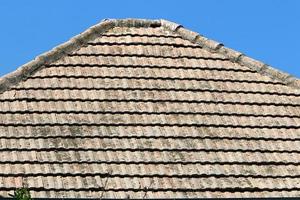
(73, 44)
(235, 56)
(76, 42)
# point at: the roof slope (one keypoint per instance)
(146, 108)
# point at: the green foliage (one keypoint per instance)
(22, 194)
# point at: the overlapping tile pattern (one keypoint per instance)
(141, 112)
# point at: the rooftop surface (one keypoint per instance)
(147, 109)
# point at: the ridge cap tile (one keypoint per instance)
(235, 56)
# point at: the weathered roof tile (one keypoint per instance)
(146, 108)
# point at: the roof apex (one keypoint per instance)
(76, 42)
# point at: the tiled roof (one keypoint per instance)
(145, 108)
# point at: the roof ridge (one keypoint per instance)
(76, 42)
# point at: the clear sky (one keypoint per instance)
(267, 30)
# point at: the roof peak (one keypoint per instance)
(106, 24)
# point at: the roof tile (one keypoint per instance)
(146, 108)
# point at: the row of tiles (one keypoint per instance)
(156, 85)
(151, 96)
(154, 184)
(155, 157)
(140, 72)
(218, 133)
(143, 108)
(151, 170)
(150, 194)
(148, 120)
(145, 145)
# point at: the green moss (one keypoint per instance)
(22, 194)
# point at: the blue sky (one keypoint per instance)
(267, 30)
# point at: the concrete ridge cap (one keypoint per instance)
(235, 56)
(71, 45)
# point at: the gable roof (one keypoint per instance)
(145, 108)
(83, 38)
